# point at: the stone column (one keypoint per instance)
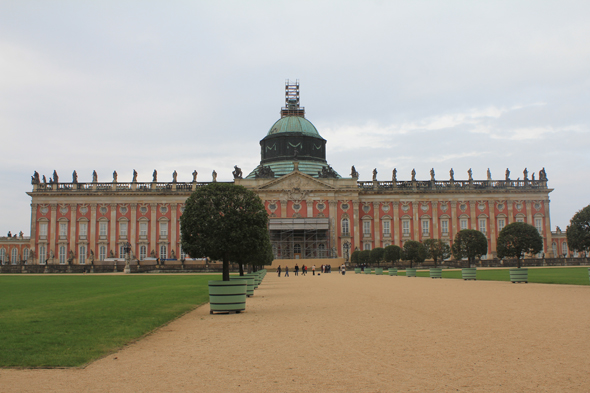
(434, 219)
(309, 204)
(73, 225)
(510, 205)
(133, 228)
(396, 228)
(473, 215)
(92, 232)
(113, 237)
(549, 239)
(416, 220)
(332, 214)
(355, 222)
(33, 235)
(173, 234)
(284, 208)
(453, 227)
(153, 228)
(529, 213)
(53, 230)
(493, 223)
(377, 221)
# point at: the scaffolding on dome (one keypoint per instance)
(300, 238)
(292, 100)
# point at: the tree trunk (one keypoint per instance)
(225, 268)
(518, 262)
(241, 265)
(434, 262)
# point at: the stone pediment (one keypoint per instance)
(296, 182)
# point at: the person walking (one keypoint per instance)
(286, 271)
(313, 270)
(296, 269)
(304, 268)
(343, 269)
(279, 270)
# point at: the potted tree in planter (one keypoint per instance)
(414, 252)
(224, 221)
(437, 250)
(515, 240)
(365, 259)
(469, 244)
(392, 254)
(578, 232)
(376, 258)
(355, 260)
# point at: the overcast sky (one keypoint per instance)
(185, 85)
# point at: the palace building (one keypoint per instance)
(314, 211)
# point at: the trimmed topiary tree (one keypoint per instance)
(469, 244)
(414, 252)
(518, 238)
(392, 254)
(437, 250)
(578, 232)
(377, 255)
(365, 257)
(354, 257)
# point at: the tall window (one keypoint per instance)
(163, 229)
(163, 252)
(463, 223)
(444, 226)
(83, 229)
(62, 255)
(143, 229)
(386, 228)
(501, 224)
(102, 227)
(142, 252)
(367, 246)
(345, 225)
(406, 227)
(183, 254)
(482, 225)
(2, 256)
(43, 229)
(322, 251)
(82, 255)
(102, 253)
(63, 229)
(564, 248)
(539, 225)
(26, 254)
(367, 227)
(297, 248)
(554, 249)
(123, 229)
(425, 227)
(121, 251)
(14, 256)
(42, 255)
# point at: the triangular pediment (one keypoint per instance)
(296, 180)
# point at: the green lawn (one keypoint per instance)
(65, 320)
(561, 275)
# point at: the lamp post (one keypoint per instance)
(127, 249)
(346, 247)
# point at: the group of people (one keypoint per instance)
(325, 269)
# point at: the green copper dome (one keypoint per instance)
(294, 124)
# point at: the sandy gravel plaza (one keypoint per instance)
(355, 333)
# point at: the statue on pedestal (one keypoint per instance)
(353, 173)
(55, 177)
(526, 174)
(74, 177)
(432, 174)
(115, 176)
(452, 174)
(214, 175)
(470, 173)
(134, 176)
(375, 174)
(94, 177)
(489, 175)
(507, 174)
(155, 176)
(195, 173)
(35, 178)
(237, 172)
(174, 176)
(413, 174)
(394, 175)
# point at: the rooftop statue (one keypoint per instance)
(237, 172)
(264, 172)
(353, 173)
(155, 176)
(375, 174)
(134, 176)
(507, 174)
(432, 174)
(195, 173)
(214, 175)
(533, 176)
(74, 177)
(114, 176)
(44, 180)
(174, 176)
(327, 172)
(55, 177)
(489, 174)
(542, 174)
(414, 174)
(94, 177)
(470, 173)
(452, 174)
(526, 174)
(394, 175)
(35, 178)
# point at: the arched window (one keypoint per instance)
(14, 256)
(62, 255)
(163, 252)
(142, 252)
(297, 248)
(82, 255)
(564, 248)
(2, 256)
(26, 254)
(345, 225)
(122, 251)
(102, 253)
(554, 249)
(42, 255)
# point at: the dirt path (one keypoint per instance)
(355, 333)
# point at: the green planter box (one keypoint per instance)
(250, 283)
(227, 296)
(411, 272)
(393, 271)
(379, 271)
(367, 270)
(256, 277)
(436, 272)
(519, 275)
(468, 273)
(357, 270)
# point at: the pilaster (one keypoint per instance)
(113, 237)
(309, 204)
(92, 233)
(529, 212)
(453, 219)
(473, 215)
(173, 234)
(493, 229)
(416, 222)
(335, 227)
(153, 228)
(284, 208)
(377, 221)
(510, 205)
(133, 228)
(33, 233)
(396, 229)
(434, 219)
(73, 225)
(355, 220)
(52, 231)
(548, 236)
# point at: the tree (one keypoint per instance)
(377, 255)
(365, 257)
(437, 250)
(518, 238)
(469, 244)
(414, 252)
(578, 232)
(226, 222)
(260, 254)
(392, 253)
(354, 257)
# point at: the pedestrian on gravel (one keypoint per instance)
(296, 269)
(279, 270)
(286, 271)
(313, 270)
(304, 268)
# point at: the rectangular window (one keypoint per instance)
(183, 254)
(143, 229)
(123, 229)
(102, 228)
(62, 255)
(463, 223)
(539, 225)
(43, 229)
(519, 219)
(102, 253)
(163, 229)
(367, 246)
(367, 227)
(482, 225)
(42, 255)
(425, 227)
(63, 229)
(142, 252)
(501, 224)
(82, 256)
(386, 228)
(406, 227)
(444, 225)
(163, 252)
(83, 229)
